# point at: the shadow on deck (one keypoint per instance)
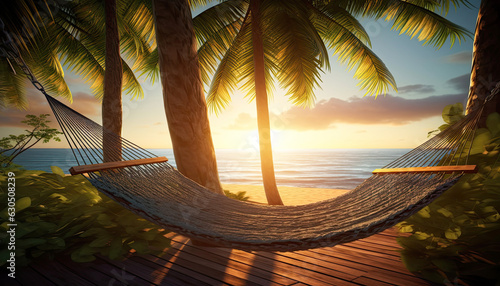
(370, 261)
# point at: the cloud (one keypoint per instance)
(464, 57)
(416, 88)
(245, 121)
(460, 83)
(84, 103)
(388, 110)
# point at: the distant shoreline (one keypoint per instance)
(289, 195)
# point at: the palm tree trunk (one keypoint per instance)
(112, 99)
(486, 57)
(266, 152)
(184, 101)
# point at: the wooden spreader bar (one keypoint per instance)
(436, 169)
(114, 165)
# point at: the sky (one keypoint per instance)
(428, 79)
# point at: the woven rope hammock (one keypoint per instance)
(150, 187)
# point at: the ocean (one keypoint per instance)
(311, 168)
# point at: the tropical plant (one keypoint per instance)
(240, 195)
(79, 40)
(249, 43)
(62, 33)
(58, 214)
(455, 238)
(50, 34)
(451, 114)
(14, 145)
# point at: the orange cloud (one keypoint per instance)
(390, 110)
(84, 103)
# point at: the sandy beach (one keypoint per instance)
(289, 195)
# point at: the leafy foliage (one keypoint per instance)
(451, 114)
(50, 34)
(66, 214)
(17, 144)
(455, 238)
(297, 36)
(241, 195)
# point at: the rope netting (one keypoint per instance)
(86, 138)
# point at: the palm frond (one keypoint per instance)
(372, 73)
(150, 67)
(333, 11)
(136, 25)
(12, 86)
(215, 30)
(130, 83)
(227, 74)
(198, 3)
(428, 26)
(208, 24)
(24, 20)
(246, 68)
(300, 52)
(443, 6)
(80, 56)
(211, 51)
(413, 18)
(50, 73)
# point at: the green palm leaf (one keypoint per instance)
(215, 30)
(300, 53)
(12, 85)
(227, 75)
(429, 27)
(372, 73)
(131, 84)
(413, 18)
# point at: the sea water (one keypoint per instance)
(312, 168)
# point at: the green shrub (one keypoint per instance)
(66, 214)
(456, 239)
(241, 195)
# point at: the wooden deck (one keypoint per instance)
(372, 261)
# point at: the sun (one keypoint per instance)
(277, 139)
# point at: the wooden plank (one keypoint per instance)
(142, 271)
(276, 264)
(85, 270)
(7, 280)
(370, 282)
(118, 275)
(170, 269)
(114, 165)
(29, 276)
(202, 266)
(435, 169)
(228, 260)
(59, 274)
(225, 264)
(353, 257)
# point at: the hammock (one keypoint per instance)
(150, 187)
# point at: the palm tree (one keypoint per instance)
(113, 77)
(184, 101)
(74, 32)
(69, 33)
(248, 43)
(485, 63)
